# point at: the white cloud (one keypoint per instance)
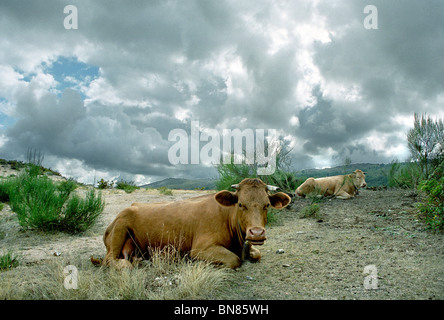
(306, 68)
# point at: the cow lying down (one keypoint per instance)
(342, 186)
(215, 227)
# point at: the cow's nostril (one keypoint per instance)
(256, 235)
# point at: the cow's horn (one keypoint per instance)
(272, 188)
(235, 186)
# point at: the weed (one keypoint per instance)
(127, 186)
(8, 261)
(103, 184)
(432, 210)
(311, 211)
(165, 191)
(273, 217)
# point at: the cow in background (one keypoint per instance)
(341, 186)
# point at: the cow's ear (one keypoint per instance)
(279, 200)
(226, 198)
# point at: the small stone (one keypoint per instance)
(249, 278)
(280, 251)
(286, 265)
(56, 253)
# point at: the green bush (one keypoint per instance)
(432, 210)
(67, 186)
(230, 174)
(128, 186)
(103, 184)
(42, 204)
(404, 176)
(311, 211)
(79, 214)
(5, 189)
(165, 191)
(286, 181)
(272, 217)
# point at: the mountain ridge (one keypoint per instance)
(376, 175)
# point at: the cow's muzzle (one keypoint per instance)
(256, 235)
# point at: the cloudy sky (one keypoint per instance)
(100, 100)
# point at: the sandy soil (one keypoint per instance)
(320, 258)
(35, 246)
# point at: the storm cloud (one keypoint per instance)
(100, 100)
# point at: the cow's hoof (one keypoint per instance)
(121, 264)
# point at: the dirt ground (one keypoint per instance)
(325, 258)
(307, 258)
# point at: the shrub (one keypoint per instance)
(128, 186)
(230, 174)
(67, 186)
(79, 214)
(286, 181)
(103, 184)
(426, 142)
(37, 202)
(6, 187)
(41, 204)
(404, 176)
(311, 211)
(165, 191)
(273, 217)
(233, 173)
(432, 210)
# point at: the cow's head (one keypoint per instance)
(251, 202)
(358, 177)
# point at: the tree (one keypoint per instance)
(426, 141)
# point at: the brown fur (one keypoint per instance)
(342, 186)
(212, 227)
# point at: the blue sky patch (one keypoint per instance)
(5, 120)
(69, 72)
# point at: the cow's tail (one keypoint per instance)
(95, 261)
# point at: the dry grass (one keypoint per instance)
(164, 277)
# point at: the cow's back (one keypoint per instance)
(328, 186)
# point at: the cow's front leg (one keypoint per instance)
(217, 254)
(343, 195)
(249, 252)
(255, 254)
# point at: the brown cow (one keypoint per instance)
(342, 186)
(215, 227)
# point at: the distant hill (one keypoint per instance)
(185, 184)
(376, 176)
